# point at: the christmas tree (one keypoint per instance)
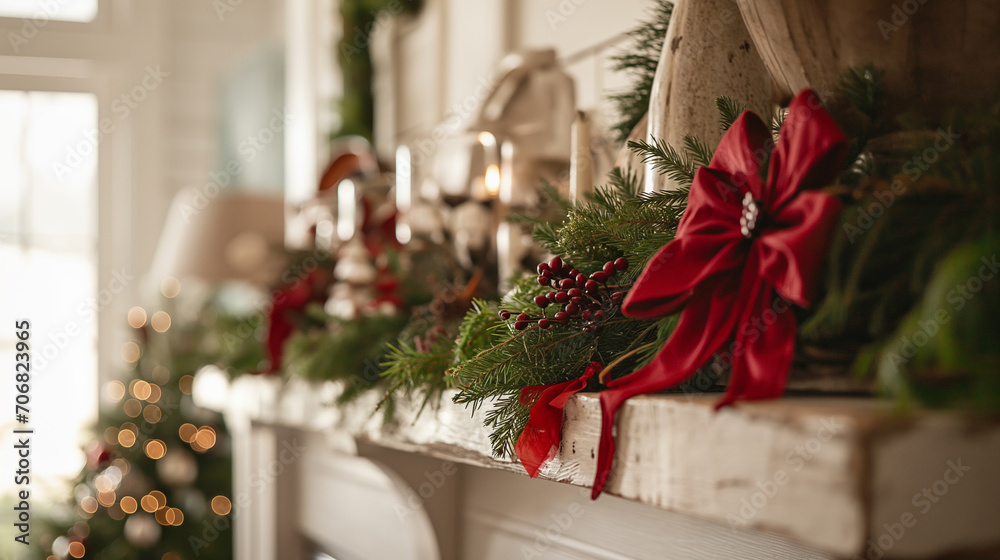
(157, 483)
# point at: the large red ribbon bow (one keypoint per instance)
(741, 244)
(540, 439)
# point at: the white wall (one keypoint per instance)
(202, 45)
(454, 45)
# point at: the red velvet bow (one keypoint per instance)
(539, 441)
(741, 244)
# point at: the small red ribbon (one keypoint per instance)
(287, 300)
(540, 439)
(735, 258)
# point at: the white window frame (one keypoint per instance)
(104, 57)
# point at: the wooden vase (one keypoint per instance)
(934, 54)
(707, 53)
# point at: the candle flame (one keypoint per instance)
(493, 179)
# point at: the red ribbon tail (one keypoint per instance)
(649, 379)
(761, 370)
(610, 402)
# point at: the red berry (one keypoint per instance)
(591, 286)
(543, 281)
(566, 283)
(562, 297)
(616, 297)
(588, 330)
(573, 273)
(523, 317)
(556, 263)
(520, 325)
(543, 267)
(544, 323)
(574, 292)
(572, 309)
(576, 299)
(541, 301)
(599, 315)
(587, 315)
(609, 268)
(581, 279)
(561, 316)
(505, 315)
(599, 276)
(621, 263)
(551, 296)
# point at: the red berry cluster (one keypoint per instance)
(589, 300)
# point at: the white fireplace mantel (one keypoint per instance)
(815, 477)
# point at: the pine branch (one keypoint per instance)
(612, 224)
(413, 371)
(474, 331)
(729, 110)
(863, 86)
(698, 151)
(628, 182)
(665, 160)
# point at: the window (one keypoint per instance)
(48, 269)
(42, 10)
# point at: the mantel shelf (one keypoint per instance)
(838, 474)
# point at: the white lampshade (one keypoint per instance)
(235, 236)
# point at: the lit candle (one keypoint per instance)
(509, 248)
(347, 208)
(507, 183)
(581, 168)
(404, 192)
(491, 179)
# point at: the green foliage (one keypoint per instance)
(474, 332)
(944, 351)
(679, 165)
(639, 59)
(413, 370)
(863, 87)
(666, 160)
(698, 151)
(351, 350)
(618, 220)
(419, 361)
(729, 110)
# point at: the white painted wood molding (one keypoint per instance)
(842, 475)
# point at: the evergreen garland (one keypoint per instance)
(347, 349)
(887, 277)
